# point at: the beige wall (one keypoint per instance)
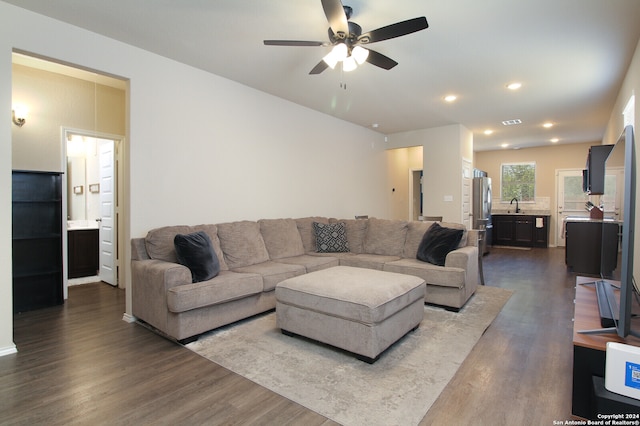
(206, 150)
(548, 160)
(399, 164)
(443, 151)
(53, 101)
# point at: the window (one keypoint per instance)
(518, 180)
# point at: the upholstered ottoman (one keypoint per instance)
(362, 311)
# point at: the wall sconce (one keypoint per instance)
(19, 115)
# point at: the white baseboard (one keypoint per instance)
(128, 318)
(8, 350)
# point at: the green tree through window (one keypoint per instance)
(518, 180)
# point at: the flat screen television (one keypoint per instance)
(617, 261)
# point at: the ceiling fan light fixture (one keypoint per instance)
(349, 64)
(340, 51)
(337, 54)
(331, 60)
(360, 54)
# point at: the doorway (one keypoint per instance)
(415, 194)
(90, 201)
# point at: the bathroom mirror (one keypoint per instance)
(82, 175)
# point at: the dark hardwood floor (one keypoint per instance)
(81, 364)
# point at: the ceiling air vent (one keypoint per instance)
(512, 122)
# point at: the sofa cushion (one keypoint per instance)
(159, 242)
(356, 233)
(368, 261)
(307, 233)
(227, 286)
(415, 232)
(437, 242)
(443, 276)
(385, 237)
(311, 263)
(242, 243)
(273, 272)
(463, 240)
(195, 251)
(281, 238)
(331, 237)
(212, 232)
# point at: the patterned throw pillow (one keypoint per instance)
(331, 237)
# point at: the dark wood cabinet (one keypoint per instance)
(503, 231)
(83, 252)
(595, 168)
(541, 231)
(584, 241)
(36, 240)
(521, 230)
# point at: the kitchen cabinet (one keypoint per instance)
(595, 168)
(591, 244)
(83, 252)
(521, 230)
(36, 240)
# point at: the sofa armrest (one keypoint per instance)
(465, 258)
(462, 257)
(472, 237)
(138, 249)
(150, 280)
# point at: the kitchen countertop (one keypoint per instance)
(526, 213)
(588, 219)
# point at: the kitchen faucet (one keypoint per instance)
(517, 206)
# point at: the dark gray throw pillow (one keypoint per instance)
(195, 251)
(437, 242)
(331, 237)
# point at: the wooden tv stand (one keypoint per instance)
(589, 358)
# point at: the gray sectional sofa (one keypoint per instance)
(255, 256)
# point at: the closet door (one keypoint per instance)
(37, 240)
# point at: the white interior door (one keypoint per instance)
(108, 270)
(570, 200)
(466, 193)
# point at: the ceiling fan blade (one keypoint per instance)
(334, 11)
(380, 60)
(394, 30)
(322, 65)
(293, 43)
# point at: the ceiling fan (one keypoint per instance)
(348, 40)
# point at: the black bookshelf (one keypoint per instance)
(36, 240)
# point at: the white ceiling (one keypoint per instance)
(570, 56)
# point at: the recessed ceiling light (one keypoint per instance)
(512, 122)
(488, 132)
(514, 86)
(554, 140)
(450, 98)
(505, 145)
(547, 125)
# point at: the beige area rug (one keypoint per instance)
(398, 389)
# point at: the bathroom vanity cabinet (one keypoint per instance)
(83, 252)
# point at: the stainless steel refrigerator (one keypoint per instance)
(481, 211)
